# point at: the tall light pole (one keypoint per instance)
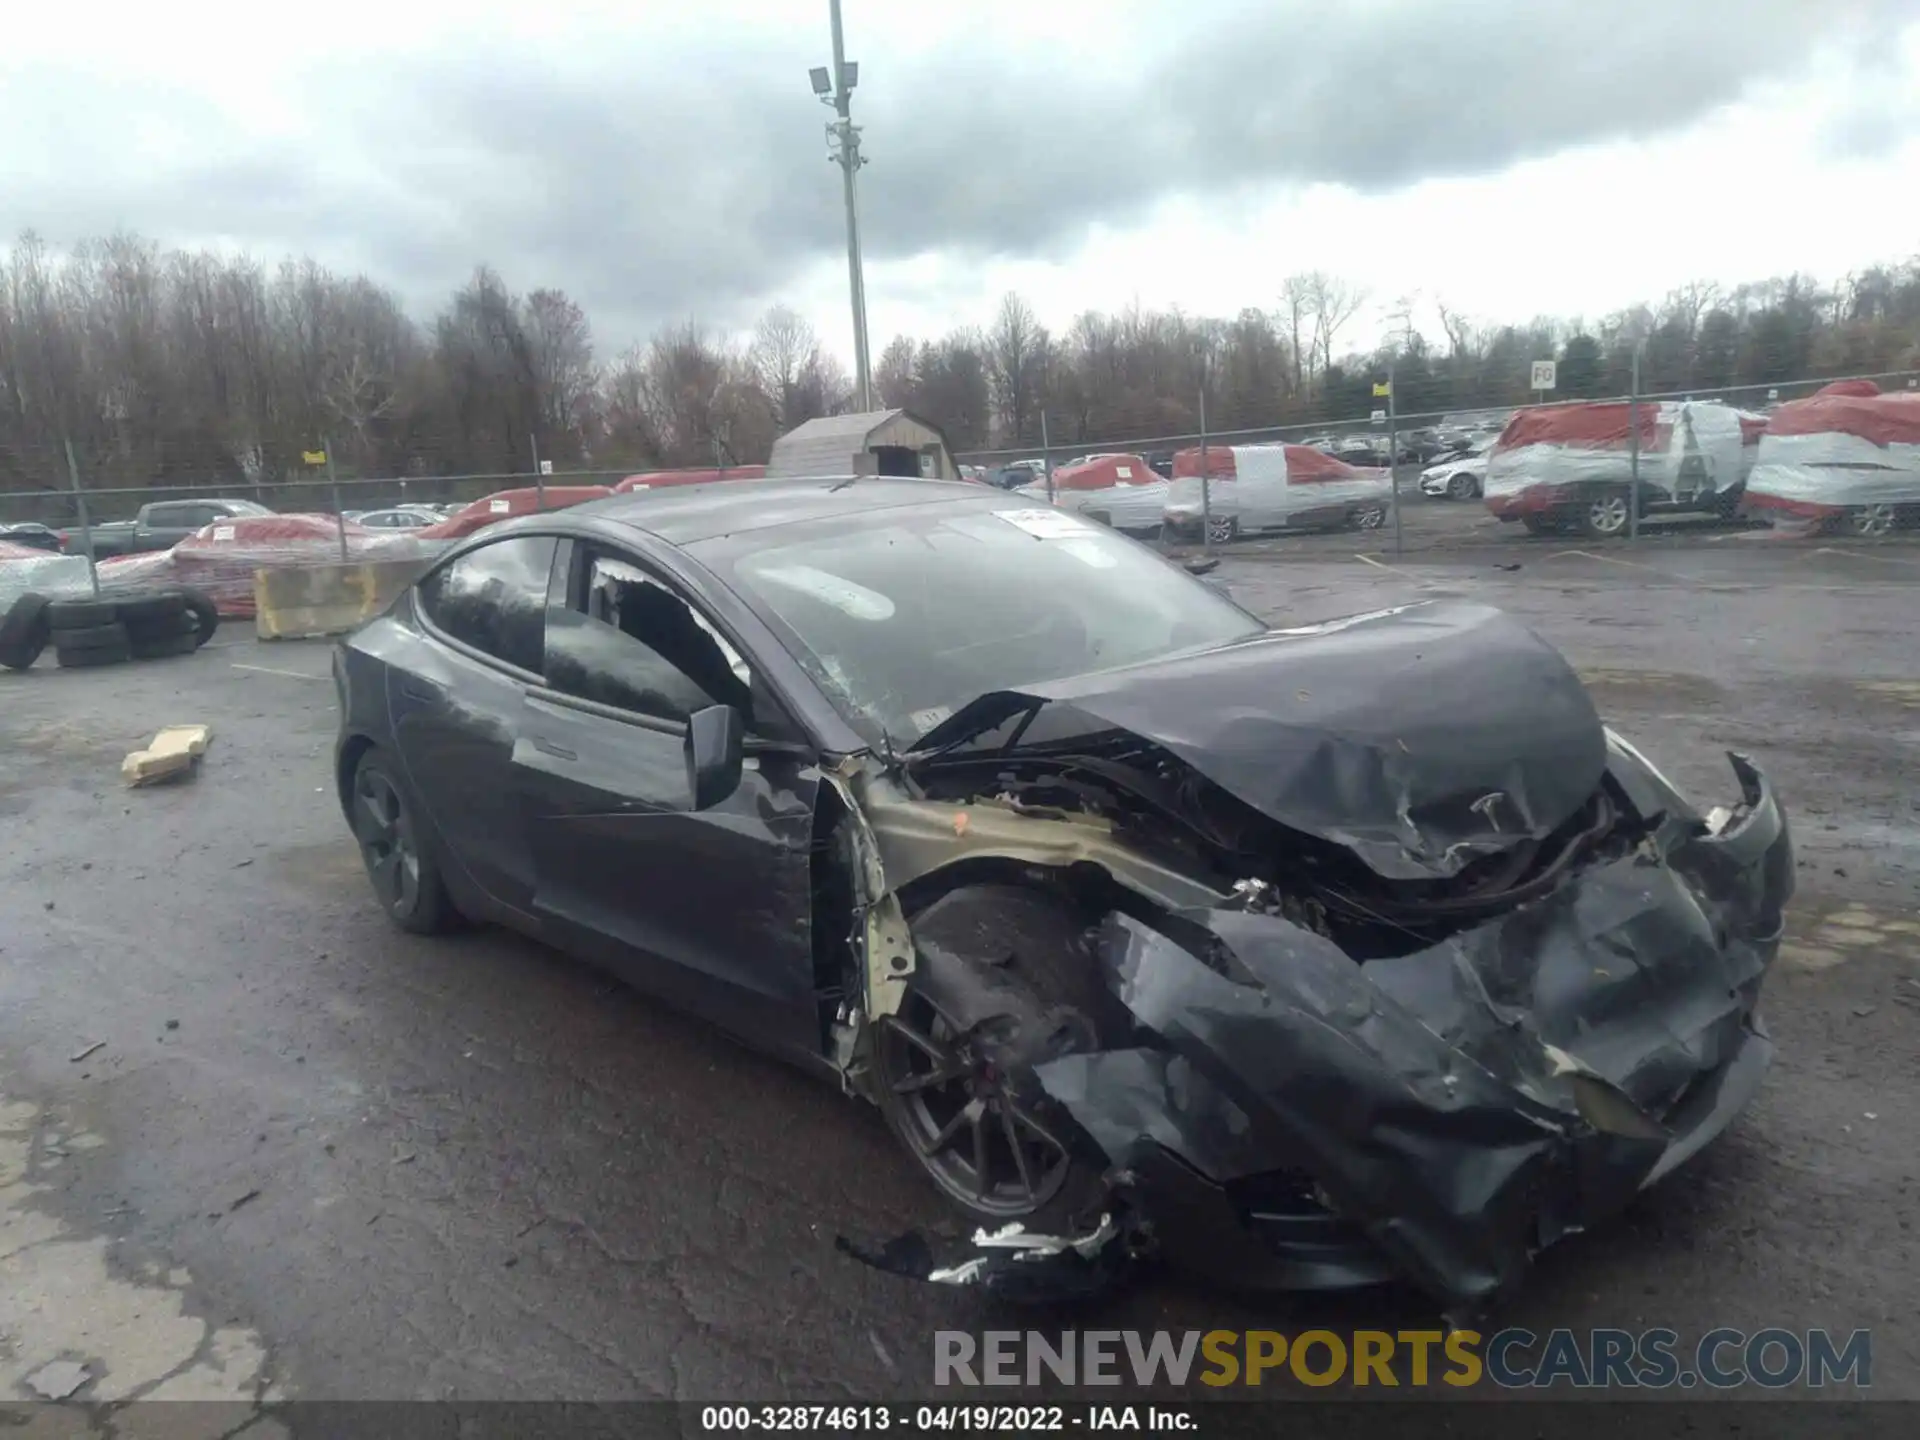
(835, 88)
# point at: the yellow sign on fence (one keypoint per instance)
(1382, 388)
(314, 457)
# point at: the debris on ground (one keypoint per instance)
(84, 1051)
(174, 752)
(58, 1379)
(245, 1199)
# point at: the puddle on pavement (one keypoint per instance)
(1819, 939)
(1665, 684)
(82, 1326)
(1901, 692)
(323, 866)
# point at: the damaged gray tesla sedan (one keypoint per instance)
(1305, 958)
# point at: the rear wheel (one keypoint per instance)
(1005, 980)
(1605, 516)
(1871, 520)
(1222, 528)
(405, 875)
(1370, 516)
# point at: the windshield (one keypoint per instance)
(905, 616)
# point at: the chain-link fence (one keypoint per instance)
(1402, 445)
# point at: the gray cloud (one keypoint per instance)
(662, 179)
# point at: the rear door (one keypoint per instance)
(458, 702)
(712, 909)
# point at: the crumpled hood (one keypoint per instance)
(1420, 738)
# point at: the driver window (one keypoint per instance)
(639, 647)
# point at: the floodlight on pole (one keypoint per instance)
(835, 88)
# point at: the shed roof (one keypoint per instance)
(826, 446)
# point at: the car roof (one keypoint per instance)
(687, 514)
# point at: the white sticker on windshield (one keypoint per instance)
(1045, 524)
(223, 532)
(1125, 472)
(498, 507)
(925, 720)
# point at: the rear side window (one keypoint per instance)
(495, 599)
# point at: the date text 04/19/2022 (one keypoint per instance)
(929, 1419)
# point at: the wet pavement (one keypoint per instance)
(254, 1142)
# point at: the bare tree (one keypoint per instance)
(1331, 303)
(1016, 354)
(783, 346)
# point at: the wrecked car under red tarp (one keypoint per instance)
(492, 509)
(220, 560)
(1848, 451)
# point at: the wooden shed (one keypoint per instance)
(879, 442)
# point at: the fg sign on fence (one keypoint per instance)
(1545, 374)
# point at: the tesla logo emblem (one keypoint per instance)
(1485, 805)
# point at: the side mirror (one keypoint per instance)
(716, 748)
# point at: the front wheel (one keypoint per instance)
(1222, 528)
(1005, 980)
(1461, 487)
(406, 876)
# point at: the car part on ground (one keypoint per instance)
(1405, 965)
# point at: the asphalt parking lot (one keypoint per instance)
(254, 1143)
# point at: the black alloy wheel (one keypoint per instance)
(977, 1140)
(405, 877)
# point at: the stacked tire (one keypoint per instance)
(147, 625)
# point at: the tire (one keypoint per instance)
(164, 647)
(1871, 521)
(82, 659)
(1605, 516)
(140, 632)
(1460, 487)
(94, 637)
(1368, 517)
(24, 632)
(147, 610)
(1222, 529)
(405, 875)
(205, 615)
(1005, 980)
(82, 614)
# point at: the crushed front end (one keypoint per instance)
(1355, 1063)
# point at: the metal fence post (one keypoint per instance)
(1206, 486)
(1393, 457)
(1046, 456)
(539, 477)
(86, 525)
(1633, 448)
(333, 484)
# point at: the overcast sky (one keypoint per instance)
(662, 162)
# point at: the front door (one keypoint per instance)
(711, 909)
